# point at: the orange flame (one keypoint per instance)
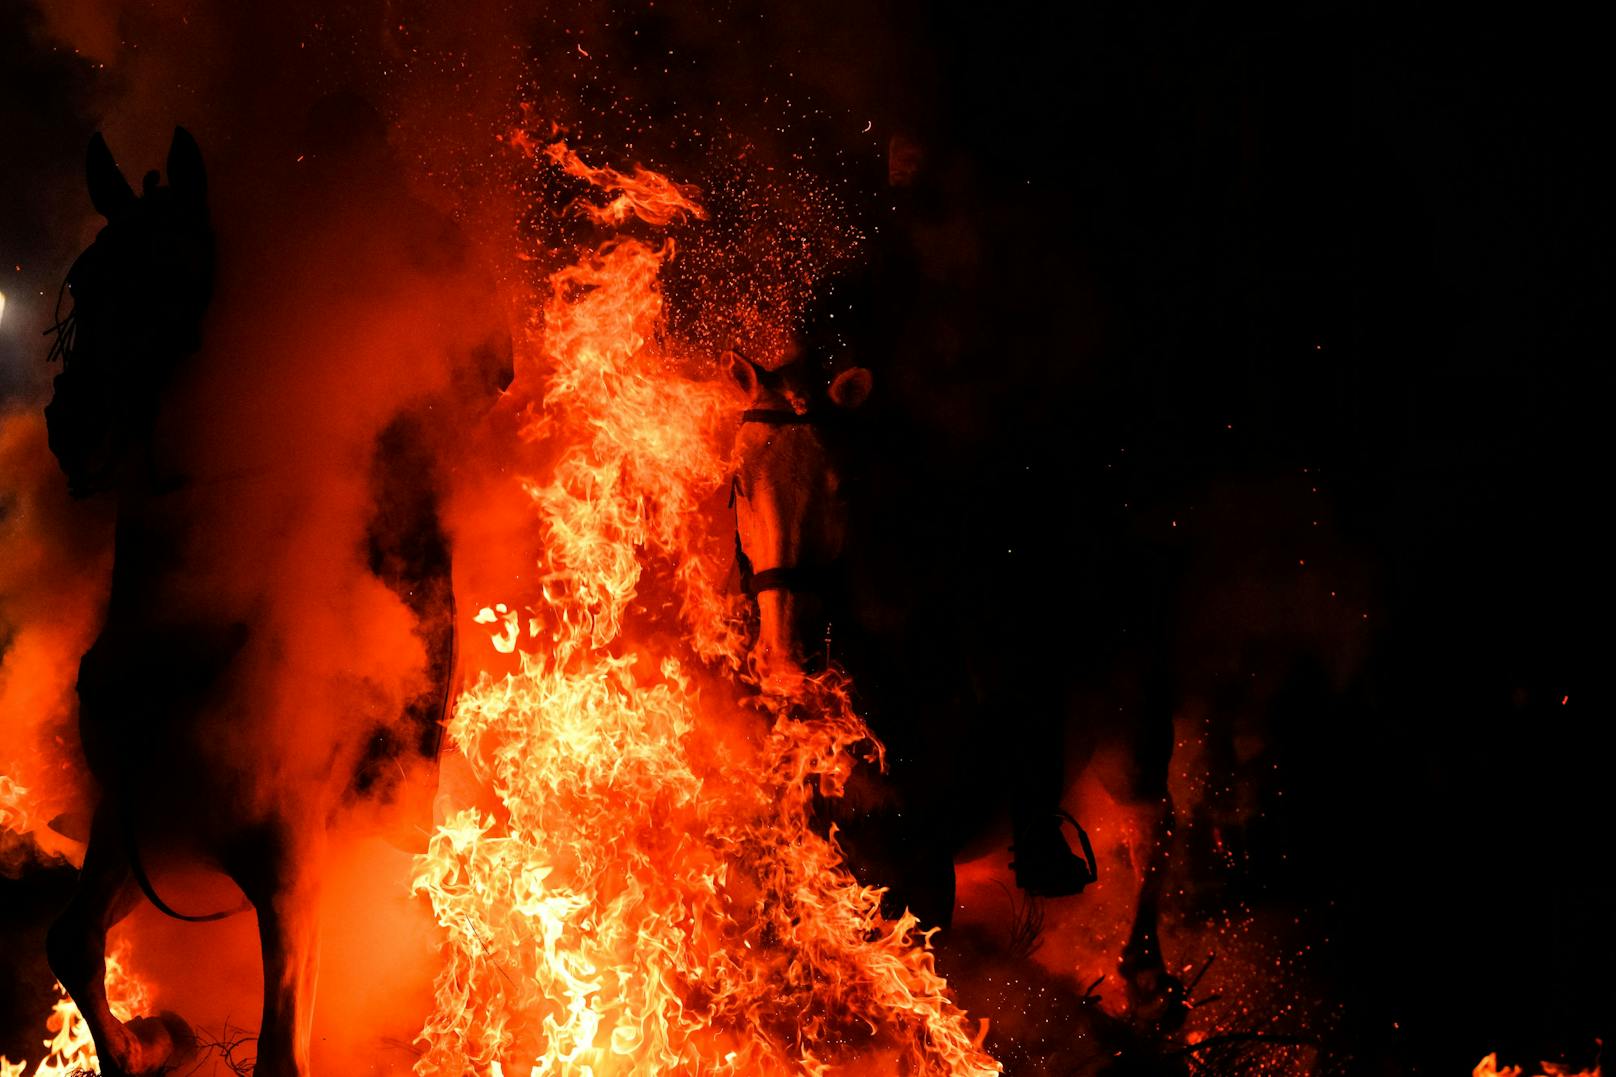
(70, 1050)
(649, 895)
(24, 837)
(650, 196)
(1488, 1067)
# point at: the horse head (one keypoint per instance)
(787, 492)
(138, 296)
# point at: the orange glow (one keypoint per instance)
(648, 896)
(51, 595)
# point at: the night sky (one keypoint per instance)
(1236, 272)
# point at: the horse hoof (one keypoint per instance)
(1155, 999)
(161, 1043)
(181, 1035)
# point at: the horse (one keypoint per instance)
(849, 542)
(213, 734)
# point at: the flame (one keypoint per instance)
(14, 813)
(647, 195)
(24, 838)
(70, 1050)
(1488, 1067)
(649, 895)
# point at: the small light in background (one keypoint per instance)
(2, 308)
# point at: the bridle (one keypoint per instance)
(797, 579)
(65, 326)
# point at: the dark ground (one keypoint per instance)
(1364, 244)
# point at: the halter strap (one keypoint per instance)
(796, 578)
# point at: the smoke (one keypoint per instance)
(346, 299)
(380, 235)
(52, 581)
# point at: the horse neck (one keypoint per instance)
(137, 480)
(144, 487)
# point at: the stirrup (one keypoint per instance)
(1055, 870)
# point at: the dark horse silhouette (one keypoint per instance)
(850, 531)
(169, 706)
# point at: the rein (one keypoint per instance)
(63, 329)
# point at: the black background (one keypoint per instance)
(1367, 241)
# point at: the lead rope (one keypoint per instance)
(145, 883)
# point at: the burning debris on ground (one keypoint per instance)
(618, 539)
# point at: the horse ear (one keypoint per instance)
(110, 193)
(851, 387)
(742, 370)
(185, 172)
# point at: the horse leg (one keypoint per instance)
(895, 851)
(1155, 996)
(1137, 777)
(279, 872)
(77, 949)
(408, 550)
(1044, 863)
